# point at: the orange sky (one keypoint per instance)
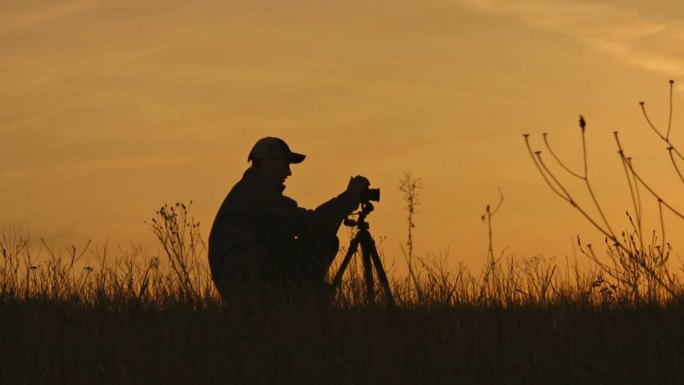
(110, 109)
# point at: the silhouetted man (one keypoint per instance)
(262, 243)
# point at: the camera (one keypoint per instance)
(370, 194)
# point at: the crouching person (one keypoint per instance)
(263, 247)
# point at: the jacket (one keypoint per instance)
(256, 227)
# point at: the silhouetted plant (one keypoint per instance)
(489, 275)
(12, 246)
(410, 187)
(487, 218)
(635, 262)
(181, 242)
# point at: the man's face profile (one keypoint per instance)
(277, 167)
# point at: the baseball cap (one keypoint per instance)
(267, 147)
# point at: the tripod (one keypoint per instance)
(369, 255)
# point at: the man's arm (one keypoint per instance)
(342, 205)
(285, 212)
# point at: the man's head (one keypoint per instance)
(273, 156)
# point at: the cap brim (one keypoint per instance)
(296, 158)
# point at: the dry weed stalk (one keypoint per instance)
(181, 242)
(487, 218)
(636, 263)
(490, 272)
(410, 187)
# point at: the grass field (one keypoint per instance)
(131, 319)
(47, 341)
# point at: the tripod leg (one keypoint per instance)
(353, 246)
(382, 277)
(368, 272)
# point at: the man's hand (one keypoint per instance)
(357, 185)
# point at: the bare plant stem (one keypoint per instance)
(410, 187)
(487, 217)
(634, 253)
(565, 194)
(636, 175)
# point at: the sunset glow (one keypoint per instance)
(111, 109)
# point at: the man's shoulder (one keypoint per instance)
(252, 183)
(254, 187)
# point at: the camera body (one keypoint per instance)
(370, 194)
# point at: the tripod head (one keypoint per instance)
(360, 222)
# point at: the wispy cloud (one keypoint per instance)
(21, 16)
(625, 33)
(95, 166)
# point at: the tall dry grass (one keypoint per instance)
(96, 316)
